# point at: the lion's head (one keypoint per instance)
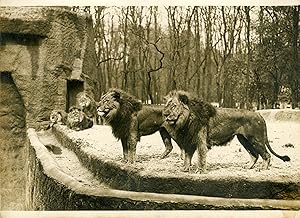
(84, 101)
(117, 102)
(78, 120)
(108, 105)
(176, 111)
(57, 117)
(182, 106)
(75, 117)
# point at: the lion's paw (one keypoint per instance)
(185, 169)
(201, 171)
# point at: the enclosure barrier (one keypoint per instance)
(49, 188)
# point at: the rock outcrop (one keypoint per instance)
(45, 49)
(47, 55)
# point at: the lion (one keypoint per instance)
(186, 120)
(182, 109)
(89, 106)
(78, 120)
(57, 117)
(130, 120)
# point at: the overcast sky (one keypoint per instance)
(142, 3)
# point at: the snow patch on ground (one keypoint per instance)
(225, 162)
(229, 161)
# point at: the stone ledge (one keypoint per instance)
(17, 20)
(127, 177)
(281, 115)
(54, 190)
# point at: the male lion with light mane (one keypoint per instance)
(130, 120)
(187, 122)
(183, 111)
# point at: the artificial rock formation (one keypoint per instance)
(47, 51)
(47, 56)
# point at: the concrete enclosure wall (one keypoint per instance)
(42, 49)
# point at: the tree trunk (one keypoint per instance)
(295, 74)
(208, 51)
(197, 50)
(248, 45)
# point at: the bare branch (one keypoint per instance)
(111, 58)
(161, 58)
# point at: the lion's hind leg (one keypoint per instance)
(261, 150)
(249, 148)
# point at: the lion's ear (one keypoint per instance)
(116, 95)
(71, 108)
(183, 98)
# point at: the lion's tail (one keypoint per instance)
(284, 158)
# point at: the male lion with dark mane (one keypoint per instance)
(193, 124)
(130, 120)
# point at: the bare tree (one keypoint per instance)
(295, 73)
(215, 51)
(249, 52)
(229, 28)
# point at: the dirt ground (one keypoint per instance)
(229, 161)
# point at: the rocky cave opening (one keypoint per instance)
(73, 88)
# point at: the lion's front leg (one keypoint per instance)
(167, 141)
(187, 161)
(202, 150)
(182, 153)
(125, 149)
(132, 139)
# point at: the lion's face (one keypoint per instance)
(176, 113)
(108, 105)
(84, 101)
(55, 117)
(75, 115)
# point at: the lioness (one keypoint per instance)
(78, 120)
(57, 117)
(88, 105)
(130, 120)
(250, 128)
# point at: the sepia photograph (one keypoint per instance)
(154, 110)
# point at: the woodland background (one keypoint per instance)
(235, 56)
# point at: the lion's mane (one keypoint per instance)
(130, 120)
(201, 111)
(192, 115)
(122, 120)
